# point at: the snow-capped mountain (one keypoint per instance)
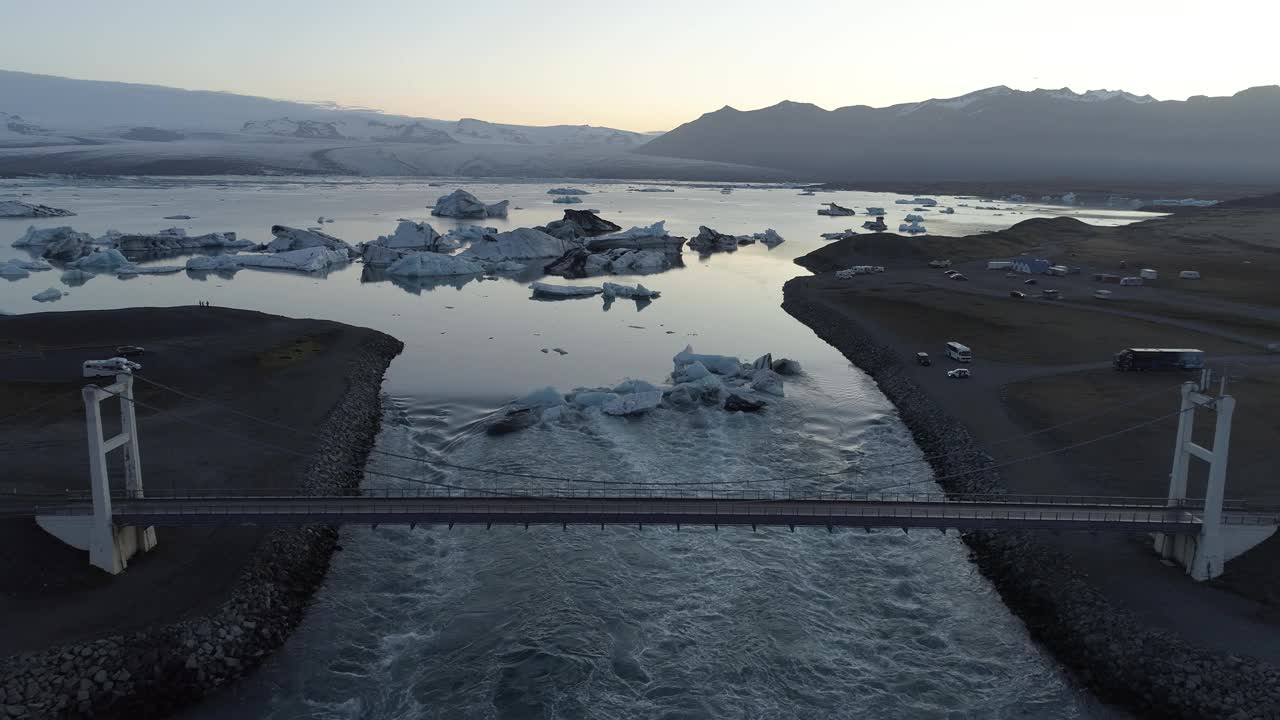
(1000, 134)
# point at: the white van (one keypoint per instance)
(109, 368)
(958, 352)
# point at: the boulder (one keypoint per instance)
(784, 366)
(430, 264)
(518, 244)
(462, 204)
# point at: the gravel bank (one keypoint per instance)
(1150, 672)
(157, 671)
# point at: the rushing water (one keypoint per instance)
(590, 622)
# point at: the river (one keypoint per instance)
(590, 622)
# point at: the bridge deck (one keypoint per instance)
(964, 515)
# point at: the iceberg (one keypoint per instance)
(102, 261)
(173, 239)
(564, 291)
(737, 403)
(311, 259)
(418, 236)
(430, 264)
(567, 191)
(913, 218)
(76, 277)
(10, 271)
(835, 210)
(766, 380)
(18, 209)
(380, 256)
(634, 404)
(718, 364)
(709, 241)
(462, 204)
(288, 239)
(48, 295)
(469, 233)
(842, 235)
(690, 372)
(592, 398)
(876, 225)
(645, 237)
(579, 262)
(567, 200)
(35, 237)
(578, 224)
(28, 264)
(769, 237)
(612, 290)
(214, 263)
(149, 270)
(518, 244)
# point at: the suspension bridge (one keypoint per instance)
(1201, 534)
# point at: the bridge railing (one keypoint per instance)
(1056, 500)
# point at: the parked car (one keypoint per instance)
(129, 350)
(109, 368)
(922, 358)
(958, 373)
(959, 276)
(1032, 281)
(1016, 294)
(951, 273)
(1011, 275)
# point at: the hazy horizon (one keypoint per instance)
(639, 68)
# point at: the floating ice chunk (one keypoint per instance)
(708, 241)
(767, 381)
(639, 291)
(462, 204)
(764, 362)
(102, 261)
(150, 269)
(311, 259)
(214, 263)
(546, 397)
(429, 264)
(518, 244)
(18, 209)
(76, 276)
(592, 398)
(417, 236)
(567, 191)
(469, 233)
(635, 386)
(835, 210)
(48, 295)
(552, 414)
(842, 235)
(785, 366)
(656, 230)
(738, 403)
(706, 389)
(380, 256)
(43, 236)
(171, 240)
(287, 238)
(11, 271)
(913, 218)
(567, 200)
(505, 266)
(29, 264)
(633, 404)
(718, 364)
(688, 373)
(564, 291)
(769, 237)
(639, 262)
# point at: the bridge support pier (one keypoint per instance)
(1205, 555)
(110, 546)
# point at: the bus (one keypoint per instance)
(958, 352)
(1158, 359)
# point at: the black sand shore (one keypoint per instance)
(1152, 671)
(205, 606)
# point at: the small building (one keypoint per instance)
(939, 263)
(1106, 278)
(1102, 294)
(1148, 274)
(999, 264)
(1029, 266)
(1189, 275)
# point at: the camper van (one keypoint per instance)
(958, 352)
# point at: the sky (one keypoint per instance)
(643, 65)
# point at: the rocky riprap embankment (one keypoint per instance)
(154, 672)
(1150, 671)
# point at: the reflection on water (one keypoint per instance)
(612, 623)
